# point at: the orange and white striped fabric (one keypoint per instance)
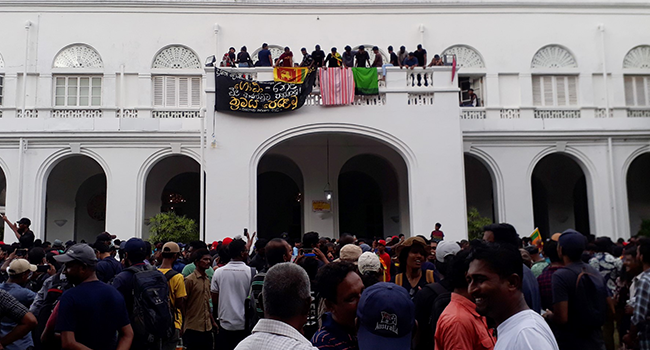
(336, 86)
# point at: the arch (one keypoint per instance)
(384, 56)
(579, 193)
(176, 57)
(2, 62)
(475, 191)
(637, 188)
(637, 58)
(45, 169)
(553, 57)
(78, 56)
(141, 179)
(276, 51)
(497, 177)
(466, 56)
(75, 198)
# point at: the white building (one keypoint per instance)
(105, 106)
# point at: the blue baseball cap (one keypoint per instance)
(135, 245)
(386, 317)
(572, 239)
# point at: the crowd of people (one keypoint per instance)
(500, 292)
(349, 58)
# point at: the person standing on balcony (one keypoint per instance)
(243, 58)
(378, 61)
(394, 60)
(410, 61)
(264, 58)
(436, 61)
(334, 59)
(421, 55)
(348, 57)
(307, 59)
(286, 59)
(362, 58)
(319, 56)
(402, 55)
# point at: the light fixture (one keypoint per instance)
(209, 62)
(60, 222)
(328, 190)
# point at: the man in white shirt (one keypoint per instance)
(229, 287)
(495, 277)
(286, 306)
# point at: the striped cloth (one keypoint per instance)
(336, 86)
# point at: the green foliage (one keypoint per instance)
(167, 227)
(645, 228)
(475, 223)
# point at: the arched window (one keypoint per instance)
(177, 80)
(276, 52)
(636, 64)
(77, 72)
(468, 78)
(555, 78)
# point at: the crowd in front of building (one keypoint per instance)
(500, 292)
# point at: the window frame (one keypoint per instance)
(540, 100)
(78, 96)
(634, 87)
(193, 98)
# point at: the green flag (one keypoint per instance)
(365, 81)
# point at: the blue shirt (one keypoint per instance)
(107, 268)
(332, 336)
(95, 312)
(263, 58)
(25, 297)
(530, 288)
(411, 61)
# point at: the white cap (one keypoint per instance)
(19, 266)
(446, 248)
(369, 261)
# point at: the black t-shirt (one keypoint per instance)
(318, 57)
(27, 239)
(420, 56)
(362, 58)
(332, 61)
(564, 289)
(393, 59)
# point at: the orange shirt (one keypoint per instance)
(385, 260)
(460, 327)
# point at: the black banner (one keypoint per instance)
(240, 95)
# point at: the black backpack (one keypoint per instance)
(589, 309)
(45, 311)
(439, 304)
(152, 312)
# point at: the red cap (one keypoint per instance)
(227, 241)
(382, 242)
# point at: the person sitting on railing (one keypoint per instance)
(421, 55)
(348, 57)
(229, 58)
(243, 58)
(333, 59)
(410, 61)
(361, 57)
(319, 56)
(473, 99)
(402, 55)
(264, 58)
(436, 61)
(286, 59)
(307, 59)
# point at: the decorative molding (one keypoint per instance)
(369, 100)
(27, 113)
(557, 114)
(602, 113)
(510, 113)
(76, 113)
(472, 114)
(423, 79)
(638, 58)
(638, 113)
(176, 57)
(423, 99)
(78, 56)
(127, 113)
(466, 56)
(175, 114)
(553, 57)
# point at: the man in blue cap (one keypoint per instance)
(579, 298)
(386, 318)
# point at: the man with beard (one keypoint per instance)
(92, 313)
(24, 235)
(495, 278)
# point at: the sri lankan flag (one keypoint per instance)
(293, 75)
(536, 238)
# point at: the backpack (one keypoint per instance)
(254, 303)
(43, 313)
(152, 312)
(399, 278)
(590, 302)
(439, 304)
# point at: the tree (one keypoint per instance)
(166, 227)
(475, 223)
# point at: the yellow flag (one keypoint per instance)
(536, 237)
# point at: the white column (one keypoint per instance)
(526, 88)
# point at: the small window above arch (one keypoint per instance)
(553, 57)
(176, 57)
(78, 56)
(638, 58)
(466, 56)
